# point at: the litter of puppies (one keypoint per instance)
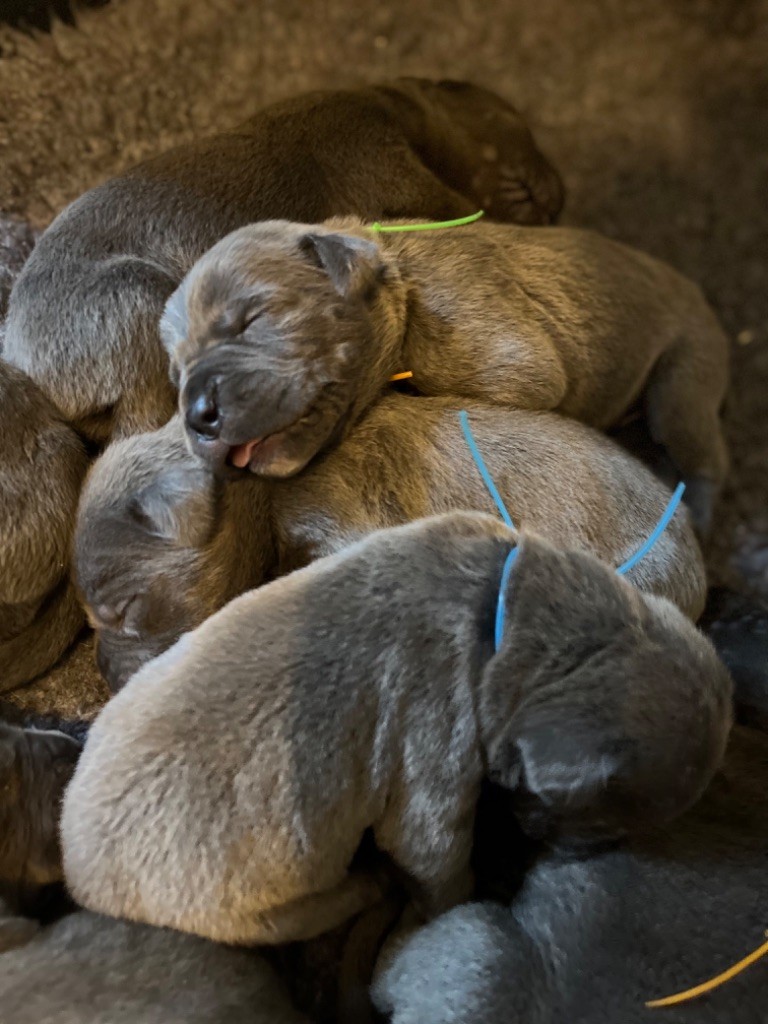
(245, 457)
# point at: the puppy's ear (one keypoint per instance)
(174, 323)
(353, 264)
(563, 773)
(178, 506)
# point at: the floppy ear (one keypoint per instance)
(353, 264)
(562, 771)
(178, 506)
(173, 322)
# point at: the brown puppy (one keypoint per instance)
(108, 263)
(161, 543)
(284, 333)
(42, 468)
(35, 767)
(365, 692)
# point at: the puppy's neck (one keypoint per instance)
(384, 355)
(561, 607)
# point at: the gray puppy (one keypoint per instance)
(110, 261)
(35, 767)
(43, 467)
(283, 333)
(87, 969)
(161, 543)
(589, 941)
(363, 692)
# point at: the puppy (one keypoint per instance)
(283, 333)
(35, 767)
(87, 969)
(589, 941)
(110, 261)
(161, 543)
(363, 692)
(43, 467)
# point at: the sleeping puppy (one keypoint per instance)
(42, 467)
(110, 261)
(35, 767)
(589, 941)
(282, 334)
(364, 693)
(87, 969)
(161, 543)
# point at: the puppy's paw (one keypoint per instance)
(516, 193)
(700, 496)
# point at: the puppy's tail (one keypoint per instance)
(38, 647)
(359, 956)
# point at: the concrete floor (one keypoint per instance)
(656, 112)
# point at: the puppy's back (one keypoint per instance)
(564, 480)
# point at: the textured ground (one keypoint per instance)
(656, 111)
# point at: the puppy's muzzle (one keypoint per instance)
(202, 409)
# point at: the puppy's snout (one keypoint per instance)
(203, 414)
(117, 665)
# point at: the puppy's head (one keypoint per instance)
(272, 343)
(515, 181)
(146, 516)
(615, 709)
(35, 768)
(42, 465)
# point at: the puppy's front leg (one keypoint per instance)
(434, 853)
(320, 912)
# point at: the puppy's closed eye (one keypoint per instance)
(113, 617)
(252, 317)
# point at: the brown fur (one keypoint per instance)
(161, 543)
(43, 467)
(108, 263)
(363, 692)
(35, 766)
(284, 333)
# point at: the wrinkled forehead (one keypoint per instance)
(242, 258)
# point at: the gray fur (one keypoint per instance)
(43, 467)
(284, 333)
(87, 969)
(148, 573)
(110, 261)
(588, 941)
(363, 692)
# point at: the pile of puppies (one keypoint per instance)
(325, 644)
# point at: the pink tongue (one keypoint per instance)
(241, 454)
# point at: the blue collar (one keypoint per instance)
(641, 552)
(501, 604)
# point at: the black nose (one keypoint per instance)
(203, 413)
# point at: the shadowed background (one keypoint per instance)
(655, 112)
